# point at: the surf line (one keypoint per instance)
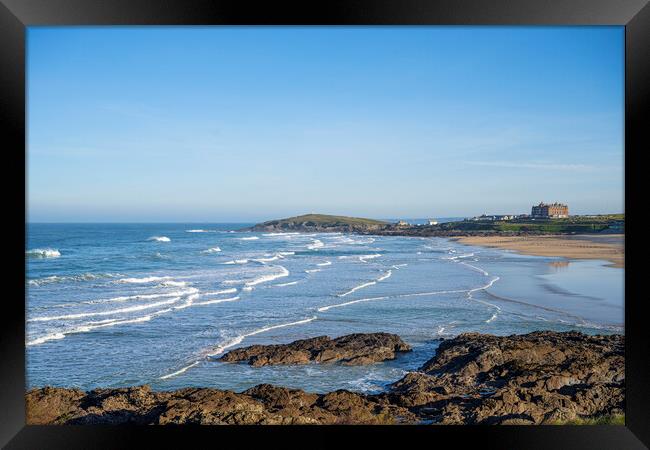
(468, 292)
(239, 339)
(369, 283)
(470, 297)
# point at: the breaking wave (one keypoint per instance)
(43, 253)
(159, 239)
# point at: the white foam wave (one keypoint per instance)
(399, 266)
(180, 293)
(315, 244)
(220, 349)
(494, 280)
(178, 372)
(49, 337)
(478, 269)
(312, 270)
(143, 280)
(494, 316)
(200, 231)
(263, 279)
(89, 327)
(356, 288)
(280, 234)
(223, 291)
(384, 276)
(212, 250)
(365, 258)
(159, 239)
(104, 313)
(370, 283)
(339, 305)
(286, 284)
(326, 263)
(61, 279)
(174, 283)
(43, 253)
(252, 238)
(215, 301)
(236, 261)
(269, 258)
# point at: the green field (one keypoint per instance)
(574, 224)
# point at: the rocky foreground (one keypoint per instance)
(351, 350)
(537, 378)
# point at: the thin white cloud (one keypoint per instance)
(534, 165)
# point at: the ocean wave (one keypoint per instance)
(105, 313)
(315, 244)
(212, 250)
(215, 301)
(159, 239)
(356, 288)
(313, 270)
(384, 276)
(232, 342)
(237, 340)
(236, 261)
(178, 372)
(89, 327)
(265, 278)
(126, 298)
(143, 280)
(326, 263)
(291, 283)
(369, 283)
(174, 283)
(361, 300)
(200, 231)
(223, 291)
(75, 278)
(365, 258)
(43, 253)
(416, 294)
(280, 234)
(478, 269)
(270, 258)
(252, 238)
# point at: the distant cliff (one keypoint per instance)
(320, 223)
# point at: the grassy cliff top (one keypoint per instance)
(324, 219)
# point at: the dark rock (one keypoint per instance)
(537, 378)
(353, 349)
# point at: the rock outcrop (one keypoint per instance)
(353, 349)
(541, 377)
(537, 378)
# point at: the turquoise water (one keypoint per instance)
(113, 305)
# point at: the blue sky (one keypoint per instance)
(246, 124)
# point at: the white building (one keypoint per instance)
(433, 222)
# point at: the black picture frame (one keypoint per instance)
(16, 15)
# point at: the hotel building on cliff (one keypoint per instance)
(550, 210)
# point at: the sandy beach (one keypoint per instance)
(606, 247)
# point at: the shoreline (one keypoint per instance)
(471, 379)
(573, 247)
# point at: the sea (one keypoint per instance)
(114, 305)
